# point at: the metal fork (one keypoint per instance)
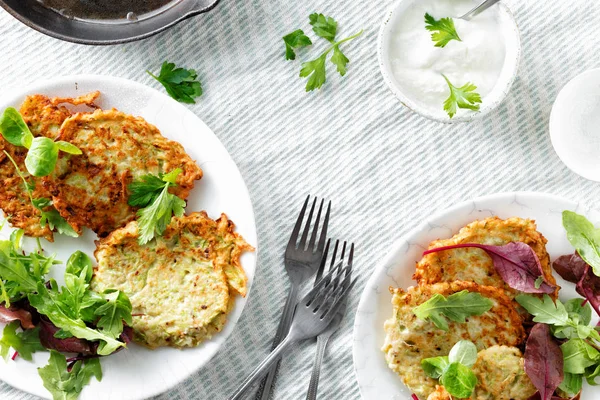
(313, 315)
(324, 337)
(301, 262)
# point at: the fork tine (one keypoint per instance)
(333, 257)
(324, 261)
(329, 313)
(324, 229)
(324, 295)
(310, 296)
(302, 244)
(296, 231)
(351, 256)
(313, 236)
(344, 276)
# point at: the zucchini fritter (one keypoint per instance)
(44, 117)
(91, 189)
(178, 284)
(409, 339)
(500, 376)
(474, 265)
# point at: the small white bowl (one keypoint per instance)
(491, 101)
(575, 124)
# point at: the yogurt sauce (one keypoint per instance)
(417, 64)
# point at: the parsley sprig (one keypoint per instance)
(456, 307)
(157, 205)
(180, 83)
(316, 70)
(461, 97)
(454, 370)
(443, 30)
(570, 323)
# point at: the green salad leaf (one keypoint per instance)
(443, 30)
(158, 206)
(454, 371)
(25, 343)
(325, 27)
(112, 314)
(295, 40)
(64, 384)
(456, 307)
(461, 97)
(180, 83)
(584, 237)
(14, 129)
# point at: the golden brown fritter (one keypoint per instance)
(500, 375)
(178, 283)
(91, 189)
(474, 265)
(44, 117)
(409, 339)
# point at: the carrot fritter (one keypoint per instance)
(474, 265)
(44, 116)
(91, 189)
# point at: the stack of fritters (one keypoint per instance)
(409, 339)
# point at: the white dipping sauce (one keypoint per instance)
(418, 65)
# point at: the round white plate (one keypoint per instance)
(138, 373)
(375, 379)
(574, 124)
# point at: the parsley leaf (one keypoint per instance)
(456, 307)
(295, 40)
(462, 97)
(454, 371)
(443, 30)
(25, 343)
(325, 27)
(181, 84)
(340, 60)
(65, 385)
(158, 205)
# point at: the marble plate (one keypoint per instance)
(375, 380)
(139, 373)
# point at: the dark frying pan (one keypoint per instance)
(36, 16)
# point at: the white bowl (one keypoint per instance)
(512, 38)
(574, 125)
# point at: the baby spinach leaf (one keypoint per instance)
(459, 380)
(584, 237)
(41, 157)
(463, 352)
(454, 371)
(456, 307)
(14, 129)
(67, 147)
(78, 262)
(434, 367)
(578, 355)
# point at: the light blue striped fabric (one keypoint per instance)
(385, 168)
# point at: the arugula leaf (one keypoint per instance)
(463, 97)
(295, 40)
(56, 221)
(443, 30)
(25, 343)
(181, 84)
(325, 27)
(544, 310)
(158, 204)
(456, 307)
(65, 385)
(454, 371)
(584, 237)
(112, 314)
(14, 129)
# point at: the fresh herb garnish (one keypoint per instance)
(295, 40)
(158, 206)
(65, 384)
(315, 70)
(516, 263)
(49, 216)
(543, 361)
(454, 371)
(443, 30)
(180, 83)
(461, 97)
(456, 307)
(25, 343)
(584, 237)
(43, 152)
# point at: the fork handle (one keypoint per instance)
(262, 368)
(322, 340)
(266, 386)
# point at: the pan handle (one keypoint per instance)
(202, 6)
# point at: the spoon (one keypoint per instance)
(479, 9)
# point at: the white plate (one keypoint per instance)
(138, 373)
(375, 379)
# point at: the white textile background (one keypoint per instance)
(384, 168)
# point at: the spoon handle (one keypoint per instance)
(479, 9)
